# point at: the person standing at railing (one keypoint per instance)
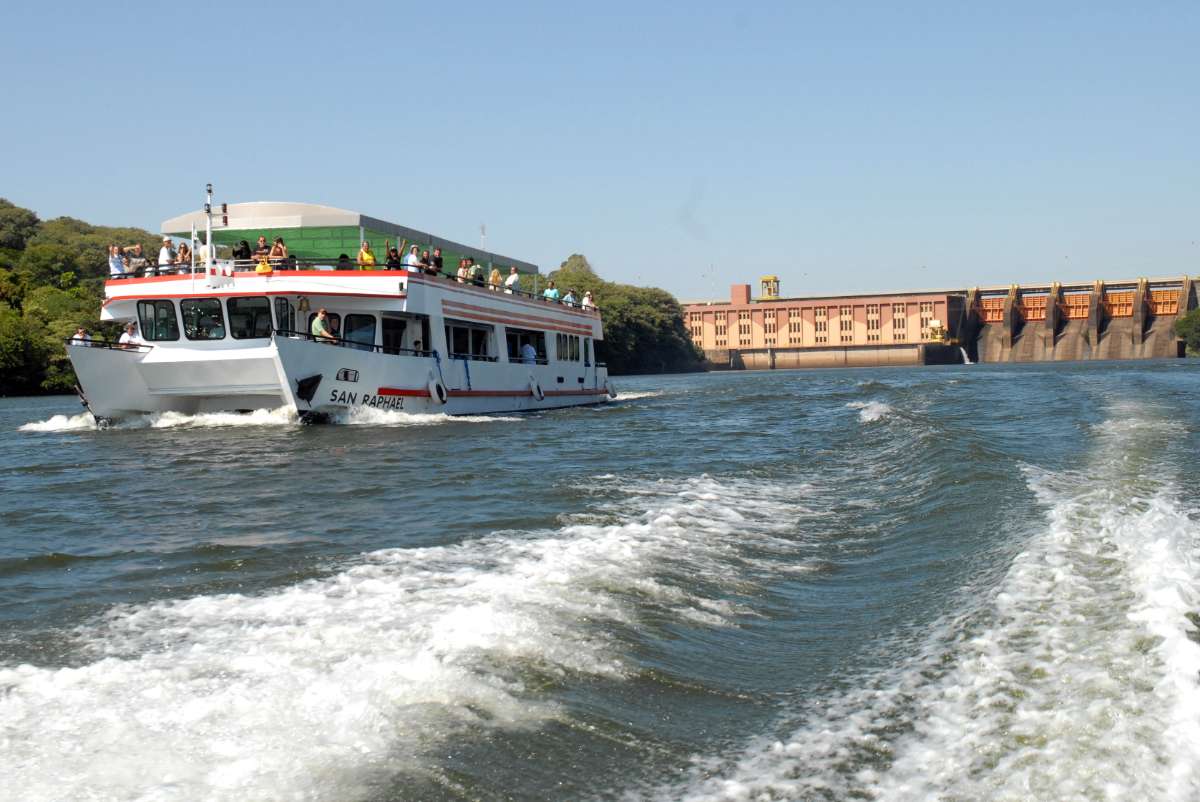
(494, 280)
(551, 292)
(394, 262)
(474, 272)
(130, 335)
(262, 251)
(81, 338)
(423, 265)
(166, 257)
(588, 302)
(278, 254)
(461, 275)
(412, 261)
(242, 253)
(137, 259)
(116, 265)
(513, 282)
(436, 263)
(569, 298)
(183, 260)
(320, 326)
(366, 257)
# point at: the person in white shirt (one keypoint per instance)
(412, 260)
(130, 335)
(116, 265)
(588, 303)
(166, 257)
(513, 281)
(81, 337)
(528, 354)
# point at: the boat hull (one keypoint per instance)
(321, 379)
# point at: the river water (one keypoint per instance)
(969, 583)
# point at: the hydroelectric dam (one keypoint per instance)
(1122, 319)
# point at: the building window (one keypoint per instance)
(899, 322)
(821, 324)
(873, 322)
(845, 323)
(926, 310)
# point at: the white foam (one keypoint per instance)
(870, 411)
(625, 396)
(1077, 678)
(369, 416)
(62, 423)
(312, 691)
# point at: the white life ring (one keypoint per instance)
(535, 389)
(608, 388)
(437, 390)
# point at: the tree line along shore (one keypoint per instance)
(52, 275)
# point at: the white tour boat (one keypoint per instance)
(224, 334)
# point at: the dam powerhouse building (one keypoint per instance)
(1127, 319)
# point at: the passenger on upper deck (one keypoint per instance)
(393, 256)
(183, 260)
(474, 272)
(513, 282)
(116, 265)
(166, 257)
(130, 335)
(366, 257)
(569, 298)
(494, 280)
(81, 337)
(320, 326)
(279, 252)
(262, 250)
(241, 251)
(137, 259)
(344, 263)
(424, 263)
(461, 276)
(551, 292)
(412, 261)
(588, 303)
(435, 262)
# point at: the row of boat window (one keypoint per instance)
(250, 318)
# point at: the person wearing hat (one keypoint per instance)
(130, 335)
(588, 303)
(166, 257)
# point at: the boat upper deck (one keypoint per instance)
(398, 290)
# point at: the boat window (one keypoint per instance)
(285, 314)
(158, 321)
(249, 318)
(393, 334)
(469, 339)
(202, 319)
(360, 329)
(332, 318)
(517, 338)
(567, 348)
(587, 351)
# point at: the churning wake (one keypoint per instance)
(315, 691)
(283, 416)
(1077, 678)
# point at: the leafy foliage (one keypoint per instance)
(644, 330)
(51, 281)
(1188, 330)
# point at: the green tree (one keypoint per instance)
(644, 330)
(45, 263)
(23, 354)
(17, 225)
(1188, 329)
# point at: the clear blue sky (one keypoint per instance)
(845, 147)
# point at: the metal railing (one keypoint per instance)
(288, 264)
(109, 344)
(355, 344)
(475, 357)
